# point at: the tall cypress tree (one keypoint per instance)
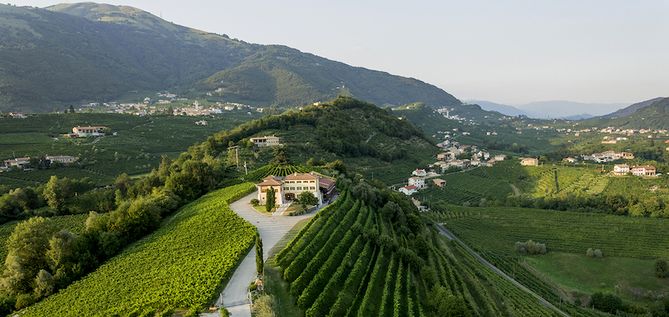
(271, 200)
(259, 255)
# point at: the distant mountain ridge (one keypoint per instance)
(86, 52)
(552, 109)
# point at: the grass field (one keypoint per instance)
(72, 223)
(182, 265)
(629, 244)
(632, 278)
(137, 147)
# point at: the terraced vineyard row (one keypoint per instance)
(353, 260)
(181, 265)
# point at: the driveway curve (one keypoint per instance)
(271, 228)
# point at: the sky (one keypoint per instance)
(512, 51)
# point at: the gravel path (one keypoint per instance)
(272, 228)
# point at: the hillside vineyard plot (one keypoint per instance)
(352, 261)
(182, 265)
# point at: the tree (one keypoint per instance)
(307, 199)
(55, 192)
(271, 200)
(259, 255)
(71, 109)
(443, 303)
(44, 284)
(26, 249)
(606, 302)
(661, 268)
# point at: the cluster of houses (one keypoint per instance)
(641, 170)
(24, 163)
(288, 188)
(608, 156)
(419, 180)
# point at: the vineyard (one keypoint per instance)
(274, 170)
(498, 229)
(352, 260)
(182, 265)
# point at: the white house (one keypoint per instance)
(646, 170)
(418, 182)
(529, 161)
(62, 159)
(419, 173)
(621, 169)
(264, 141)
(87, 131)
(500, 157)
(408, 190)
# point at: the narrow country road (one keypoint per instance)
(271, 228)
(448, 234)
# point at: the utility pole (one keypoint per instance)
(246, 170)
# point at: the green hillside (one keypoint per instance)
(368, 139)
(95, 52)
(650, 114)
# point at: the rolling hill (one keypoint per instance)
(649, 114)
(88, 52)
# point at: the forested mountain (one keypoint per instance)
(96, 52)
(650, 114)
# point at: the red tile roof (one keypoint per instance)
(270, 181)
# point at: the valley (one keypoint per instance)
(153, 169)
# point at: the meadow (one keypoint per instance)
(630, 246)
(182, 265)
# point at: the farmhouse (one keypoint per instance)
(645, 170)
(264, 141)
(418, 182)
(288, 188)
(569, 160)
(439, 182)
(419, 173)
(500, 157)
(61, 159)
(87, 131)
(408, 190)
(529, 161)
(621, 169)
(20, 162)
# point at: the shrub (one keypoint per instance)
(255, 202)
(598, 253)
(530, 247)
(661, 268)
(606, 302)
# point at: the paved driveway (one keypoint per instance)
(272, 228)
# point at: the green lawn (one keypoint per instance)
(631, 278)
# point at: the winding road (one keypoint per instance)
(271, 228)
(448, 234)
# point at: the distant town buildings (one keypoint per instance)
(608, 156)
(62, 159)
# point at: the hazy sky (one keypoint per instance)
(509, 51)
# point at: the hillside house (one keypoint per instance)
(570, 160)
(439, 182)
(20, 162)
(61, 159)
(289, 187)
(264, 141)
(202, 123)
(408, 190)
(418, 182)
(89, 131)
(419, 173)
(500, 157)
(645, 170)
(529, 161)
(621, 169)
